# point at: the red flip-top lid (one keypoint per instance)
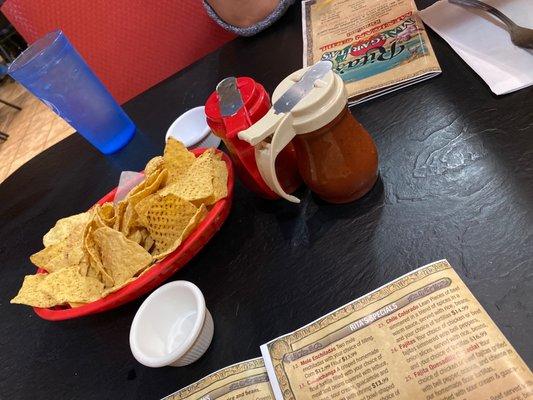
(256, 103)
(254, 96)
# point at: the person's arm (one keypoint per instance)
(246, 17)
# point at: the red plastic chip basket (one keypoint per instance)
(160, 271)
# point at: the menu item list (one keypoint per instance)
(422, 336)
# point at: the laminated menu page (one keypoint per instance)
(376, 46)
(247, 380)
(422, 336)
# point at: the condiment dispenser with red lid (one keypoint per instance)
(236, 104)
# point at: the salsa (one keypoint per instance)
(339, 162)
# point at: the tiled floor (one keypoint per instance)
(30, 131)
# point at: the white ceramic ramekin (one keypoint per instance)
(192, 130)
(172, 326)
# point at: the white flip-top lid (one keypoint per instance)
(275, 130)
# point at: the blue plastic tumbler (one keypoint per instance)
(54, 71)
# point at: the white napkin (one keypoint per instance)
(483, 43)
(128, 180)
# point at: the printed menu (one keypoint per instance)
(247, 380)
(376, 46)
(422, 336)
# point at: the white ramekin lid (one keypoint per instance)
(192, 130)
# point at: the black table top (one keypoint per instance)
(456, 167)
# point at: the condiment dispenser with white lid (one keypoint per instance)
(336, 156)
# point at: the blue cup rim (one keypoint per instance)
(36, 50)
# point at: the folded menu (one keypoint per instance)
(483, 42)
(246, 380)
(376, 46)
(422, 336)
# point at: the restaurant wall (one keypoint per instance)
(130, 44)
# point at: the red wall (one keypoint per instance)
(130, 44)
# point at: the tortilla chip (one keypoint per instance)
(156, 163)
(67, 285)
(196, 185)
(142, 208)
(95, 259)
(43, 258)
(166, 217)
(75, 305)
(66, 253)
(146, 182)
(106, 214)
(220, 181)
(58, 258)
(138, 235)
(108, 291)
(74, 246)
(97, 221)
(130, 219)
(191, 226)
(121, 257)
(144, 233)
(119, 214)
(84, 266)
(177, 159)
(31, 295)
(205, 182)
(148, 243)
(148, 187)
(113, 289)
(107, 210)
(152, 184)
(64, 227)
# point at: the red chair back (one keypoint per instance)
(130, 44)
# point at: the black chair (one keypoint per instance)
(11, 43)
(3, 73)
